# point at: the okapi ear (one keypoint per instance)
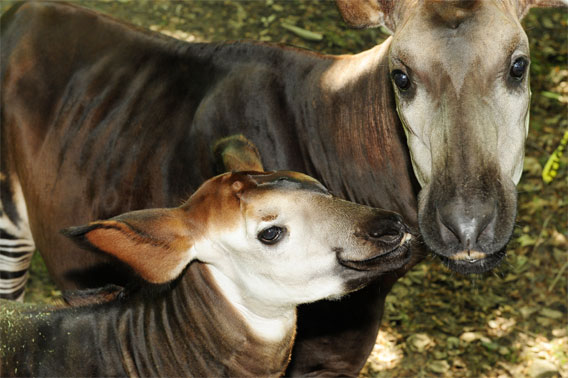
(523, 6)
(155, 243)
(235, 154)
(369, 13)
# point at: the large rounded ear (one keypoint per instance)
(370, 13)
(156, 243)
(523, 6)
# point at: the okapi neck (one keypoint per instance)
(267, 320)
(346, 70)
(195, 331)
(351, 122)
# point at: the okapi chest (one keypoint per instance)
(99, 118)
(225, 283)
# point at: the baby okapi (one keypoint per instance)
(222, 276)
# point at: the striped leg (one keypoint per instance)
(15, 258)
(16, 243)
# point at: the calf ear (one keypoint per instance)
(236, 153)
(156, 243)
(369, 13)
(523, 6)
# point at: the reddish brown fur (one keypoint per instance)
(164, 254)
(451, 13)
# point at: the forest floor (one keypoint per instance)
(511, 322)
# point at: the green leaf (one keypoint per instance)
(550, 313)
(551, 95)
(439, 367)
(490, 346)
(303, 33)
(526, 240)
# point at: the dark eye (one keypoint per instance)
(271, 235)
(401, 80)
(518, 68)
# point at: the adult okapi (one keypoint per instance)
(99, 118)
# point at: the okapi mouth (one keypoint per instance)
(475, 262)
(391, 259)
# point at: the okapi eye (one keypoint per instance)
(518, 68)
(271, 235)
(401, 80)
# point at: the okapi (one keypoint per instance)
(228, 269)
(100, 117)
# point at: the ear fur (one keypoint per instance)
(523, 6)
(236, 153)
(369, 13)
(373, 13)
(155, 243)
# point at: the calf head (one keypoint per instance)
(275, 240)
(459, 70)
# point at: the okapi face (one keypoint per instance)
(291, 242)
(271, 240)
(459, 70)
(465, 110)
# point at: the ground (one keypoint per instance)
(511, 322)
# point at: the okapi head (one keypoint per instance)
(459, 70)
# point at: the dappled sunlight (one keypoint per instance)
(386, 354)
(437, 323)
(345, 71)
(539, 355)
(178, 34)
(500, 326)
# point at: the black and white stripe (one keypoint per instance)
(15, 258)
(16, 242)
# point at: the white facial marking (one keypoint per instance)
(265, 283)
(271, 328)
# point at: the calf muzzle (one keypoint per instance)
(388, 238)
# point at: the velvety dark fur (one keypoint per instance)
(186, 330)
(100, 117)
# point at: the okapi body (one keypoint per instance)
(100, 117)
(222, 276)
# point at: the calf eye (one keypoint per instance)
(401, 80)
(271, 235)
(518, 68)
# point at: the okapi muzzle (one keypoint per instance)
(469, 223)
(467, 208)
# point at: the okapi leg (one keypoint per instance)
(236, 153)
(16, 243)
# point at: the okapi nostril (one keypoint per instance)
(467, 226)
(387, 236)
(383, 229)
